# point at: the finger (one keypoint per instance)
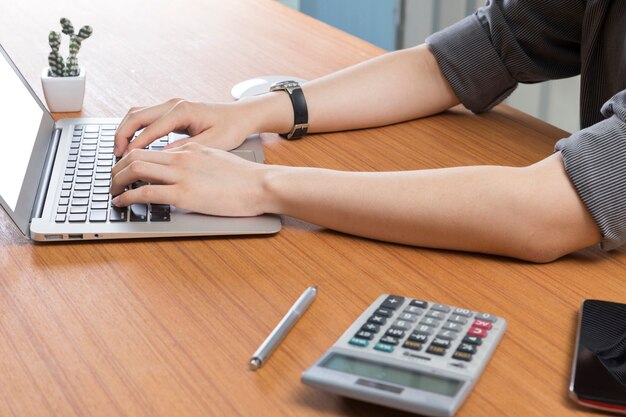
(136, 119)
(143, 171)
(176, 118)
(157, 194)
(157, 157)
(177, 144)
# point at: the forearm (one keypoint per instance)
(394, 87)
(530, 213)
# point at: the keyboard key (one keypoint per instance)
(91, 129)
(98, 215)
(423, 329)
(80, 201)
(69, 172)
(62, 210)
(118, 214)
(103, 176)
(383, 347)
(363, 334)
(457, 319)
(100, 197)
(477, 331)
(455, 327)
(389, 340)
(408, 317)
(105, 163)
(78, 210)
(77, 218)
(102, 183)
(85, 173)
(106, 169)
(60, 218)
(428, 321)
(483, 324)
(399, 333)
(64, 201)
(444, 343)
(447, 334)
(421, 338)
(82, 187)
(435, 314)
(466, 347)
(441, 307)
(402, 324)
(473, 340)
(83, 180)
(376, 319)
(138, 213)
(371, 327)
(410, 344)
(488, 317)
(68, 178)
(392, 302)
(414, 310)
(85, 166)
(101, 190)
(419, 304)
(99, 205)
(436, 350)
(81, 194)
(86, 160)
(385, 312)
(462, 312)
(463, 356)
(87, 153)
(65, 193)
(355, 341)
(66, 186)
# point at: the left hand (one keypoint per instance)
(192, 177)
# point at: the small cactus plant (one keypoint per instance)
(69, 68)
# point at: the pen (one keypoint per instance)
(281, 330)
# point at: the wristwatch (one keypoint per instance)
(300, 112)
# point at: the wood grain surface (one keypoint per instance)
(166, 327)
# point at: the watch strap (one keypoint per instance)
(300, 114)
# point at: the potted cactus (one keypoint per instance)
(63, 82)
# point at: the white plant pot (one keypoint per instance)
(63, 94)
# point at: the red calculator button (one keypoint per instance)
(477, 331)
(483, 324)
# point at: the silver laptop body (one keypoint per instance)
(34, 156)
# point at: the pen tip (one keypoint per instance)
(255, 363)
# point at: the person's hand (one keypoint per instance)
(192, 177)
(221, 126)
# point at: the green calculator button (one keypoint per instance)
(358, 342)
(383, 347)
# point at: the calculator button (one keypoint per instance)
(477, 331)
(447, 334)
(375, 319)
(428, 321)
(358, 342)
(395, 333)
(385, 312)
(414, 310)
(488, 317)
(457, 319)
(423, 329)
(436, 350)
(401, 325)
(392, 302)
(419, 304)
(383, 347)
(389, 340)
(435, 314)
(464, 356)
(441, 307)
(369, 327)
(408, 317)
(466, 347)
(483, 324)
(440, 342)
(363, 334)
(462, 312)
(410, 344)
(455, 327)
(419, 338)
(473, 340)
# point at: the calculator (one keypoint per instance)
(410, 354)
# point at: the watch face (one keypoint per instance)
(284, 85)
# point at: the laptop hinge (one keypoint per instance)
(44, 182)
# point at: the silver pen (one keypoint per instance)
(281, 330)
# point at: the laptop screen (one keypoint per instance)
(20, 116)
(26, 129)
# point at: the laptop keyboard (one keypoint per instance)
(85, 190)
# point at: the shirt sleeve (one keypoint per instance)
(595, 161)
(485, 55)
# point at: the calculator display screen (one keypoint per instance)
(382, 372)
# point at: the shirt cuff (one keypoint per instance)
(471, 65)
(595, 161)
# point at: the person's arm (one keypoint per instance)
(530, 213)
(394, 87)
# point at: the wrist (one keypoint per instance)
(270, 112)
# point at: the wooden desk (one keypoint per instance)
(166, 328)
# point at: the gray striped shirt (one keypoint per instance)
(485, 55)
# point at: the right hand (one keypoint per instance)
(219, 126)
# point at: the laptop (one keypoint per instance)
(56, 176)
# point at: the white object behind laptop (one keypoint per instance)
(32, 164)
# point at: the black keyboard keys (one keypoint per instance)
(118, 214)
(159, 213)
(138, 212)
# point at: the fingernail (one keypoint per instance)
(115, 200)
